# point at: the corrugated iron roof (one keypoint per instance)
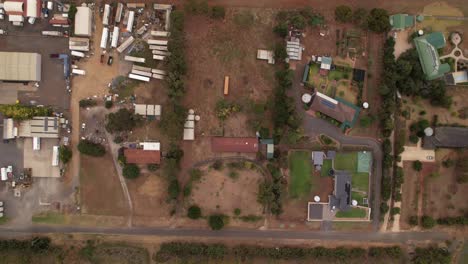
(230, 144)
(140, 156)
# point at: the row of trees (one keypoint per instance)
(297, 19)
(376, 20)
(36, 245)
(90, 148)
(429, 222)
(22, 112)
(186, 250)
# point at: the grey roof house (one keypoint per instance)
(317, 157)
(447, 137)
(341, 198)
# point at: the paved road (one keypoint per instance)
(315, 126)
(401, 237)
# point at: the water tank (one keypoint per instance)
(428, 131)
(365, 105)
(317, 198)
(306, 98)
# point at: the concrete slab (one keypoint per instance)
(40, 161)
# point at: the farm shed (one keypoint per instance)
(151, 145)
(270, 147)
(401, 21)
(42, 127)
(141, 156)
(150, 111)
(20, 66)
(231, 144)
(83, 21)
(447, 137)
(294, 49)
(266, 55)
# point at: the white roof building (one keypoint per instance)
(83, 21)
(147, 110)
(294, 49)
(20, 66)
(40, 126)
(151, 145)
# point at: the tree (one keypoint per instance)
(216, 221)
(217, 165)
(72, 12)
(237, 211)
(22, 112)
(366, 121)
(431, 255)
(172, 122)
(90, 148)
(417, 165)
(343, 14)
(280, 52)
(65, 154)
(131, 171)
(122, 120)
(378, 20)
(359, 16)
(87, 103)
(281, 29)
(218, 12)
(413, 220)
(194, 212)
(40, 244)
(108, 104)
(174, 189)
(298, 21)
(427, 222)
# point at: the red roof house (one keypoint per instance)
(140, 156)
(231, 144)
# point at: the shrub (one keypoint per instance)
(431, 255)
(195, 174)
(194, 212)
(413, 220)
(233, 174)
(217, 165)
(87, 103)
(281, 30)
(174, 189)
(131, 171)
(216, 221)
(153, 167)
(237, 211)
(108, 104)
(65, 154)
(22, 112)
(90, 148)
(218, 12)
(427, 222)
(395, 211)
(343, 14)
(417, 165)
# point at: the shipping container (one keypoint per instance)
(138, 77)
(157, 71)
(135, 59)
(105, 17)
(158, 76)
(36, 143)
(77, 54)
(125, 44)
(131, 17)
(78, 72)
(4, 174)
(136, 5)
(157, 42)
(158, 57)
(55, 156)
(162, 53)
(156, 33)
(104, 37)
(115, 37)
(141, 68)
(118, 13)
(156, 47)
(52, 33)
(142, 73)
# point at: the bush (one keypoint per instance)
(343, 14)
(65, 154)
(281, 30)
(90, 148)
(153, 167)
(131, 171)
(195, 174)
(427, 222)
(108, 104)
(194, 212)
(395, 211)
(413, 220)
(87, 103)
(233, 174)
(217, 165)
(218, 12)
(237, 211)
(216, 221)
(417, 165)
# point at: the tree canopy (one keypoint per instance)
(343, 14)
(122, 120)
(90, 148)
(131, 171)
(378, 20)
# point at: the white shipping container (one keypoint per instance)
(55, 156)
(158, 57)
(134, 59)
(160, 33)
(115, 37)
(138, 77)
(157, 42)
(105, 35)
(105, 17)
(156, 47)
(36, 143)
(142, 73)
(160, 52)
(126, 44)
(141, 68)
(157, 71)
(77, 54)
(4, 174)
(52, 33)
(78, 72)
(158, 76)
(131, 17)
(118, 14)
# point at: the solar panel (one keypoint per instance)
(328, 104)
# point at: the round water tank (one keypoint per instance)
(316, 198)
(365, 105)
(354, 203)
(420, 32)
(306, 98)
(428, 131)
(197, 118)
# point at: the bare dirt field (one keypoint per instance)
(101, 192)
(216, 192)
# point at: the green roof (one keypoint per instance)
(401, 21)
(427, 46)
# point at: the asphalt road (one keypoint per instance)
(401, 237)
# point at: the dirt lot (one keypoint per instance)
(101, 192)
(216, 192)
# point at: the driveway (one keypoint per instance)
(417, 153)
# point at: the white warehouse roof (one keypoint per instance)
(20, 66)
(83, 21)
(147, 110)
(150, 145)
(13, 6)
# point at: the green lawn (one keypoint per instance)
(326, 167)
(360, 181)
(346, 161)
(4, 220)
(358, 197)
(300, 170)
(352, 213)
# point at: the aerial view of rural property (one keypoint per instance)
(233, 131)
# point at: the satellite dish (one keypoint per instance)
(316, 198)
(191, 111)
(365, 105)
(420, 32)
(354, 203)
(306, 98)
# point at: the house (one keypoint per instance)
(459, 77)
(427, 47)
(317, 157)
(338, 109)
(341, 198)
(141, 156)
(401, 21)
(232, 144)
(447, 137)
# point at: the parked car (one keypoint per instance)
(54, 55)
(102, 58)
(110, 60)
